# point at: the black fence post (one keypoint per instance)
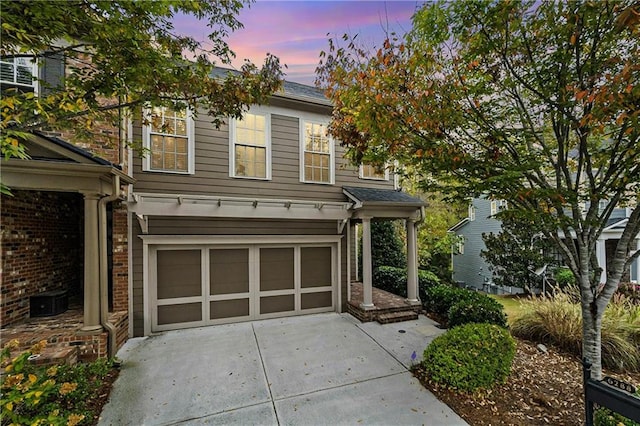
(588, 404)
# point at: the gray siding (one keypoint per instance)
(212, 168)
(470, 267)
(207, 226)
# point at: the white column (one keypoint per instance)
(367, 285)
(91, 264)
(601, 254)
(412, 262)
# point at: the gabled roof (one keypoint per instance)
(616, 223)
(381, 197)
(458, 225)
(50, 148)
(289, 90)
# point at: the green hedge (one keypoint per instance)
(480, 309)
(460, 306)
(470, 357)
(394, 280)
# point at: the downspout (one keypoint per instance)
(104, 270)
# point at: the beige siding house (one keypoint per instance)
(253, 220)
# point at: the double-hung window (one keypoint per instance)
(317, 154)
(169, 137)
(472, 213)
(18, 71)
(494, 207)
(250, 146)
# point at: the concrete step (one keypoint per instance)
(391, 317)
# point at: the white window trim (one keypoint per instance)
(460, 245)
(34, 75)
(494, 207)
(361, 174)
(191, 146)
(472, 213)
(332, 152)
(232, 151)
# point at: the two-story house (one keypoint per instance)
(471, 269)
(253, 220)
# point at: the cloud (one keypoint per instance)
(296, 31)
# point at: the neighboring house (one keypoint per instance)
(64, 230)
(250, 221)
(470, 269)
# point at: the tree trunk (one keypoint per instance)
(592, 339)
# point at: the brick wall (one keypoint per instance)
(120, 258)
(42, 248)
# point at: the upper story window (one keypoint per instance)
(250, 146)
(18, 71)
(472, 212)
(169, 137)
(369, 171)
(494, 207)
(317, 165)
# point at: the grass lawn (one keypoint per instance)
(511, 305)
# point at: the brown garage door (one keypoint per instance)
(212, 285)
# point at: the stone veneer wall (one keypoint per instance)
(42, 248)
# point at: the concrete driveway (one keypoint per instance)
(326, 369)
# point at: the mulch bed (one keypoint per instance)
(543, 389)
(97, 401)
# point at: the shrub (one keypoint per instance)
(606, 417)
(470, 357)
(391, 279)
(439, 299)
(558, 321)
(426, 280)
(479, 309)
(57, 395)
(564, 277)
(630, 291)
(394, 280)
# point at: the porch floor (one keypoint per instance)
(66, 343)
(388, 307)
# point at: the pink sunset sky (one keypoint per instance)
(296, 31)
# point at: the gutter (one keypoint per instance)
(104, 279)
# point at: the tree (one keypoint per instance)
(537, 103)
(386, 245)
(435, 242)
(515, 253)
(123, 54)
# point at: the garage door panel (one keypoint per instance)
(315, 266)
(185, 312)
(221, 309)
(276, 269)
(178, 273)
(204, 284)
(322, 299)
(229, 271)
(273, 304)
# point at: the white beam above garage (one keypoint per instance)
(149, 204)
